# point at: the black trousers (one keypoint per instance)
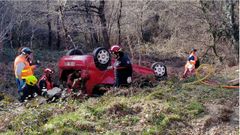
(28, 92)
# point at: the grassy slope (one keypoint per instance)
(169, 108)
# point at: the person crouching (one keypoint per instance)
(76, 82)
(47, 87)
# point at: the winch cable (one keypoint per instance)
(210, 70)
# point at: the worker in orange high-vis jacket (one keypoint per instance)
(23, 69)
(192, 63)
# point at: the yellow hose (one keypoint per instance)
(210, 71)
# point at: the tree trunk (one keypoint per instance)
(49, 27)
(103, 24)
(93, 34)
(214, 48)
(141, 25)
(232, 24)
(212, 30)
(61, 15)
(31, 39)
(11, 40)
(58, 33)
(118, 22)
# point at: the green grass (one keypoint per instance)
(148, 111)
(194, 108)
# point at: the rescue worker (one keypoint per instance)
(45, 82)
(47, 87)
(122, 67)
(192, 63)
(76, 81)
(23, 69)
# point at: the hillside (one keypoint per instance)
(149, 31)
(173, 107)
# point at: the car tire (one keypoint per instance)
(102, 58)
(160, 70)
(74, 52)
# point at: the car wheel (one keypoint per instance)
(159, 69)
(74, 52)
(102, 58)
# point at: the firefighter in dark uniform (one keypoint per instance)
(122, 67)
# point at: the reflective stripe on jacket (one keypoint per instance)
(27, 71)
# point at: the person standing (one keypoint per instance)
(192, 63)
(23, 70)
(122, 67)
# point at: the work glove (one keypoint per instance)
(129, 79)
(38, 63)
(117, 63)
(78, 79)
(75, 81)
(35, 64)
(109, 67)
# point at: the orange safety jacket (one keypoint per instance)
(27, 71)
(195, 58)
(191, 63)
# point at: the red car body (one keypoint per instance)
(97, 77)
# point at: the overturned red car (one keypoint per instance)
(95, 65)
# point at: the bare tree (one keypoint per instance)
(90, 23)
(6, 23)
(222, 25)
(58, 44)
(101, 14)
(232, 24)
(119, 21)
(92, 10)
(92, 31)
(60, 9)
(49, 26)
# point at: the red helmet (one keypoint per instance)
(115, 49)
(48, 71)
